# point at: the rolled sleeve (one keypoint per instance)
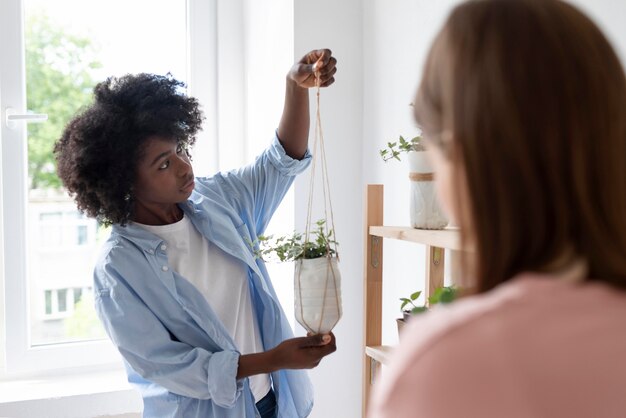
(149, 348)
(224, 391)
(286, 165)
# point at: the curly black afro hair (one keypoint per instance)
(99, 149)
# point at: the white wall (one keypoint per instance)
(380, 46)
(397, 36)
(268, 56)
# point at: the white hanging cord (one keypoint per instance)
(325, 181)
(319, 141)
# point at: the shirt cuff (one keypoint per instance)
(224, 387)
(284, 163)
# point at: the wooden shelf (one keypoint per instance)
(436, 242)
(443, 238)
(379, 353)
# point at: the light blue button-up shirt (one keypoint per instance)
(176, 350)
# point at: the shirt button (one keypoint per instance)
(163, 247)
(165, 268)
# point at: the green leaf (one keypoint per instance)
(293, 247)
(444, 294)
(416, 295)
(418, 310)
(434, 298)
(447, 295)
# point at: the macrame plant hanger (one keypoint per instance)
(332, 282)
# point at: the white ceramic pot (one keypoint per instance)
(317, 291)
(425, 210)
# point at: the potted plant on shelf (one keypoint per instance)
(442, 295)
(317, 281)
(425, 211)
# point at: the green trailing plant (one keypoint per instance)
(292, 247)
(411, 302)
(442, 295)
(394, 149)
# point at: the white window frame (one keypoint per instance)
(17, 357)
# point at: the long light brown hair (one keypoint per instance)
(532, 98)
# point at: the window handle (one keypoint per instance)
(12, 117)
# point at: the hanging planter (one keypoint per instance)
(317, 281)
(425, 212)
(317, 291)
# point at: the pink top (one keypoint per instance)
(533, 347)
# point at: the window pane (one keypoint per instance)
(48, 296)
(78, 292)
(71, 45)
(81, 238)
(62, 300)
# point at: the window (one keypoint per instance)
(48, 246)
(81, 235)
(48, 296)
(61, 303)
(78, 293)
(61, 231)
(53, 54)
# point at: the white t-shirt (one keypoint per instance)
(223, 281)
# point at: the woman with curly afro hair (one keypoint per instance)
(177, 286)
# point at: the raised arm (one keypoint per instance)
(293, 130)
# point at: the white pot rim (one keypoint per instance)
(419, 162)
(318, 260)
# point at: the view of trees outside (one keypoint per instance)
(70, 46)
(59, 82)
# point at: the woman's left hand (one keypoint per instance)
(319, 60)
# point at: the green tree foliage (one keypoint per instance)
(59, 82)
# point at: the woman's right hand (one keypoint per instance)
(303, 352)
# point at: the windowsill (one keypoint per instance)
(85, 394)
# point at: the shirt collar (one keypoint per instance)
(147, 240)
(141, 237)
